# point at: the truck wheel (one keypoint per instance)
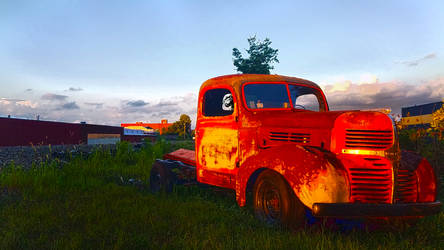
(162, 179)
(275, 203)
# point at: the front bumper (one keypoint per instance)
(375, 210)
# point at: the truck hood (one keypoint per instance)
(298, 119)
(320, 129)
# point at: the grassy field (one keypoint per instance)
(104, 202)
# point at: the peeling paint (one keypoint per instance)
(219, 148)
(309, 149)
(329, 186)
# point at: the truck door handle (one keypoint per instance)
(263, 145)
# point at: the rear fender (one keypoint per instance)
(313, 175)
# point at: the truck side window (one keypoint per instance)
(305, 98)
(218, 102)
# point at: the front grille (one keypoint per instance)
(290, 137)
(406, 186)
(368, 139)
(371, 183)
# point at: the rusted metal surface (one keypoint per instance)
(309, 173)
(326, 157)
(237, 145)
(183, 155)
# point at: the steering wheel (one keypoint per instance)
(298, 105)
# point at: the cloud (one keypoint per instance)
(70, 105)
(365, 93)
(27, 103)
(186, 103)
(394, 95)
(103, 113)
(138, 103)
(7, 103)
(414, 63)
(339, 86)
(28, 90)
(18, 108)
(368, 78)
(9, 100)
(166, 108)
(97, 105)
(74, 89)
(165, 103)
(54, 97)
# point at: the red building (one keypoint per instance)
(163, 125)
(22, 132)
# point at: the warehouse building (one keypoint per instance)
(420, 116)
(23, 132)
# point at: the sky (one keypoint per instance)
(112, 62)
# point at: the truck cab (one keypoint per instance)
(275, 136)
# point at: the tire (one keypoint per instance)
(162, 179)
(275, 203)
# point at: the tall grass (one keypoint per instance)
(429, 143)
(91, 203)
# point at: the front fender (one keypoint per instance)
(312, 174)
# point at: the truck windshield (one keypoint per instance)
(266, 96)
(277, 96)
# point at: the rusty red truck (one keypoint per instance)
(275, 136)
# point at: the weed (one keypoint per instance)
(89, 203)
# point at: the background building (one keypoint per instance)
(155, 127)
(420, 116)
(22, 132)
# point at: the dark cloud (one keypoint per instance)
(183, 104)
(70, 105)
(28, 90)
(385, 95)
(54, 97)
(138, 103)
(167, 108)
(74, 89)
(97, 105)
(416, 62)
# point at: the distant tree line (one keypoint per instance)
(182, 127)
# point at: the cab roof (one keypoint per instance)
(236, 80)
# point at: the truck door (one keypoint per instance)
(217, 144)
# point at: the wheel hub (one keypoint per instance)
(271, 203)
